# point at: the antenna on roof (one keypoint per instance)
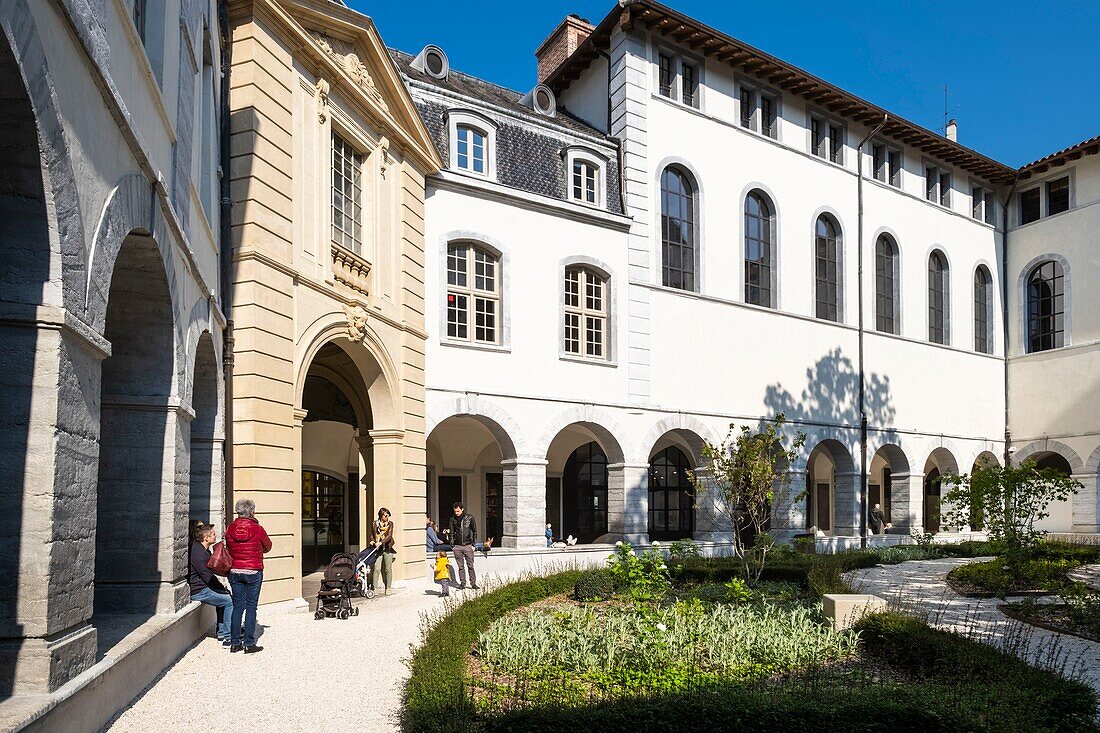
(946, 112)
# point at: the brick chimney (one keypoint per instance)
(560, 44)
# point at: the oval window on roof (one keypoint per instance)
(433, 62)
(543, 100)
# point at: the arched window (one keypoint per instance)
(826, 270)
(677, 230)
(671, 496)
(1046, 307)
(983, 311)
(473, 289)
(759, 249)
(937, 298)
(584, 493)
(586, 322)
(886, 285)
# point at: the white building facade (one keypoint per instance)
(1054, 325)
(724, 238)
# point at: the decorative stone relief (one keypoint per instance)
(383, 155)
(344, 54)
(322, 89)
(357, 322)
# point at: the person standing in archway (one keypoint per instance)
(383, 543)
(463, 539)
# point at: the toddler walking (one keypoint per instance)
(443, 573)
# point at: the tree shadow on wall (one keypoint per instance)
(830, 397)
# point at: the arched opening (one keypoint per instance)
(1060, 513)
(939, 463)
(984, 460)
(206, 502)
(672, 503)
(679, 248)
(887, 474)
(136, 529)
(579, 482)
(25, 282)
(337, 498)
(831, 501)
(466, 457)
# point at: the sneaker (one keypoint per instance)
(460, 587)
(234, 648)
(253, 649)
(475, 586)
(227, 642)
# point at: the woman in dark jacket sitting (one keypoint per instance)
(247, 542)
(205, 586)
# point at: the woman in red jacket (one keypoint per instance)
(247, 542)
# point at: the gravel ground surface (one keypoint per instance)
(921, 586)
(325, 675)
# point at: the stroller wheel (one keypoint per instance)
(342, 614)
(319, 614)
(368, 593)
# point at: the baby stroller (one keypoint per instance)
(334, 595)
(364, 571)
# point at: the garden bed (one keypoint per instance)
(1057, 617)
(608, 665)
(996, 578)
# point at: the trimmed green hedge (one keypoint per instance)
(435, 697)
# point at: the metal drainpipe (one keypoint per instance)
(859, 299)
(226, 234)
(1004, 308)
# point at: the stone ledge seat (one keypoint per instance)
(844, 609)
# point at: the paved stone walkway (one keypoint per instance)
(1087, 574)
(921, 586)
(311, 675)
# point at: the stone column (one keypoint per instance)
(628, 502)
(846, 498)
(524, 502)
(906, 503)
(142, 503)
(789, 516)
(1086, 504)
(388, 448)
(365, 489)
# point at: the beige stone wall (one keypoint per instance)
(293, 295)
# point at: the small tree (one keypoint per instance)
(1009, 501)
(748, 471)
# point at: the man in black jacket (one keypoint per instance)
(205, 586)
(463, 539)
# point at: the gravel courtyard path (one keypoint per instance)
(325, 675)
(921, 586)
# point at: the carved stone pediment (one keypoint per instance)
(346, 57)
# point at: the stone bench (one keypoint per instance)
(845, 609)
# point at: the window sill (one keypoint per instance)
(476, 346)
(562, 356)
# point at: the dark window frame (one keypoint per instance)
(938, 294)
(886, 285)
(1046, 311)
(1057, 201)
(759, 249)
(827, 269)
(683, 223)
(983, 310)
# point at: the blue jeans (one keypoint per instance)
(246, 595)
(223, 602)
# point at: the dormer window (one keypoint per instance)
(473, 139)
(433, 62)
(585, 181)
(470, 151)
(584, 177)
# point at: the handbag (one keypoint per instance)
(220, 560)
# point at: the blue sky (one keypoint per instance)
(1021, 75)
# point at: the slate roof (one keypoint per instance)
(528, 156)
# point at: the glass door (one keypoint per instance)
(323, 509)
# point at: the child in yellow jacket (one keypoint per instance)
(443, 573)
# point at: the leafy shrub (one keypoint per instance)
(683, 550)
(1083, 608)
(738, 591)
(594, 585)
(644, 576)
(1001, 578)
